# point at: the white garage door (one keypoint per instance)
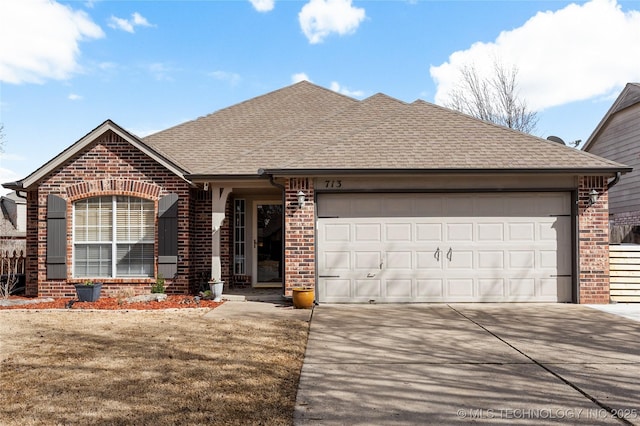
(512, 247)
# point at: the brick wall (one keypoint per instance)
(593, 241)
(299, 235)
(108, 166)
(626, 218)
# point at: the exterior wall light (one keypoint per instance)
(593, 197)
(301, 199)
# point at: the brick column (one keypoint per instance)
(299, 235)
(593, 241)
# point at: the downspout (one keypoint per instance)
(614, 181)
(284, 211)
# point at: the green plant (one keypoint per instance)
(158, 286)
(88, 282)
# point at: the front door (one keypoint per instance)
(267, 243)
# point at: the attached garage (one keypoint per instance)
(452, 247)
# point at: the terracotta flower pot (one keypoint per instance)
(303, 297)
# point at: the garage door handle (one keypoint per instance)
(328, 276)
(436, 255)
(450, 254)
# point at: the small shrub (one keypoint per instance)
(158, 286)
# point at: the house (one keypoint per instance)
(366, 200)
(13, 223)
(617, 137)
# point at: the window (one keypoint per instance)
(239, 267)
(114, 227)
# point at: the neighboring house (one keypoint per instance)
(617, 137)
(402, 203)
(13, 223)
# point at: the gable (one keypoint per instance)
(106, 129)
(629, 97)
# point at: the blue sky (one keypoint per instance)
(66, 66)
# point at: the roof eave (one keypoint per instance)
(324, 172)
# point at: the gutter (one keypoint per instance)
(343, 172)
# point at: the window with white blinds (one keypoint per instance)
(114, 227)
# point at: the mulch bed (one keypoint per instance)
(114, 303)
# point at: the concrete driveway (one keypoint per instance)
(484, 363)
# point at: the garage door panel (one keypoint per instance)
(491, 287)
(430, 289)
(336, 260)
(428, 260)
(459, 232)
(548, 259)
(398, 288)
(429, 232)
(335, 288)
(490, 232)
(522, 287)
(338, 232)
(522, 259)
(368, 289)
(367, 232)
(398, 232)
(522, 231)
(367, 260)
(460, 288)
(488, 259)
(401, 260)
(445, 248)
(460, 259)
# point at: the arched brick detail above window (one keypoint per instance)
(113, 186)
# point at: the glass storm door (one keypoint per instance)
(268, 243)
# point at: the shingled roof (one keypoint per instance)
(304, 127)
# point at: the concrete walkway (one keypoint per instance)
(485, 363)
(266, 309)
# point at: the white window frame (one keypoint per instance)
(239, 245)
(114, 242)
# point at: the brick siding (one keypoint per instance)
(108, 166)
(626, 218)
(299, 235)
(593, 241)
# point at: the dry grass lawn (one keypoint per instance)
(147, 368)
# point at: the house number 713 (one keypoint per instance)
(333, 184)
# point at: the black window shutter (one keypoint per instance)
(168, 235)
(56, 237)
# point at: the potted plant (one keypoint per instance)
(88, 291)
(216, 286)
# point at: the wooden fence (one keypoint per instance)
(624, 266)
(12, 263)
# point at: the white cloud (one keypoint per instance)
(230, 77)
(335, 86)
(7, 175)
(128, 25)
(320, 18)
(160, 71)
(74, 97)
(298, 77)
(263, 5)
(44, 40)
(575, 53)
